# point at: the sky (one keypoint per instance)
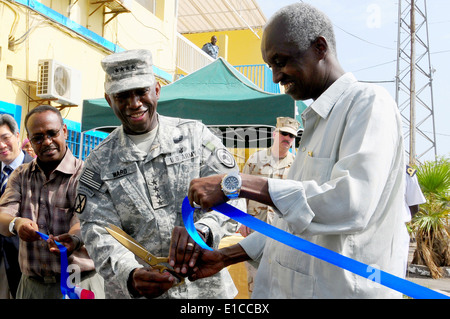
(367, 35)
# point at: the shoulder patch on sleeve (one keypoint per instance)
(80, 203)
(225, 157)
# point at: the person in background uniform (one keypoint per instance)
(137, 179)
(344, 191)
(11, 157)
(40, 196)
(413, 198)
(211, 48)
(273, 162)
(413, 195)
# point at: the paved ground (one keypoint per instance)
(442, 285)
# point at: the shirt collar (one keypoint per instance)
(163, 142)
(67, 165)
(17, 162)
(324, 104)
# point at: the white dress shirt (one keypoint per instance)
(413, 194)
(16, 163)
(344, 192)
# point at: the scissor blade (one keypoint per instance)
(136, 248)
(124, 234)
(132, 245)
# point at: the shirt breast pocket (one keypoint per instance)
(62, 218)
(317, 169)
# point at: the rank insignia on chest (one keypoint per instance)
(157, 199)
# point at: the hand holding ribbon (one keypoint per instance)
(73, 292)
(65, 239)
(399, 284)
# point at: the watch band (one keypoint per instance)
(12, 225)
(79, 242)
(231, 194)
(205, 231)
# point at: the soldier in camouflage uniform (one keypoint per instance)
(273, 162)
(137, 179)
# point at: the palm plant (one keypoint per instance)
(431, 224)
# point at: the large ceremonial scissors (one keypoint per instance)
(136, 248)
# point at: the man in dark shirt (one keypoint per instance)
(211, 48)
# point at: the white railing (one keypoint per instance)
(190, 57)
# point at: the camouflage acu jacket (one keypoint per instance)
(142, 194)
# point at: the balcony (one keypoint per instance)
(261, 75)
(191, 58)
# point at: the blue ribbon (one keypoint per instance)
(64, 264)
(67, 292)
(399, 284)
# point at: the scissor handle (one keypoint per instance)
(153, 260)
(163, 268)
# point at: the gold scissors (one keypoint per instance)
(136, 248)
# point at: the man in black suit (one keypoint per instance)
(11, 156)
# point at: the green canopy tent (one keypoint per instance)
(217, 94)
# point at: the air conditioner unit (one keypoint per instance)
(58, 81)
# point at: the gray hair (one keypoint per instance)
(6, 119)
(305, 24)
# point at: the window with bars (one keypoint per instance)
(82, 144)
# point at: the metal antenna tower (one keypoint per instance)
(414, 89)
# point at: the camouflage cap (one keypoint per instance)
(287, 124)
(128, 70)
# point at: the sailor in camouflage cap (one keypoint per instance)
(287, 125)
(137, 179)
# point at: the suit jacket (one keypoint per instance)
(9, 250)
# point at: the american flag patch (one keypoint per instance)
(91, 179)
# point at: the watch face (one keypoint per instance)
(231, 183)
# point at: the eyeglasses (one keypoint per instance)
(286, 134)
(39, 138)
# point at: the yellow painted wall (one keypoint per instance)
(244, 47)
(44, 39)
(141, 29)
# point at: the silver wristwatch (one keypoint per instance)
(231, 185)
(11, 226)
(204, 230)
